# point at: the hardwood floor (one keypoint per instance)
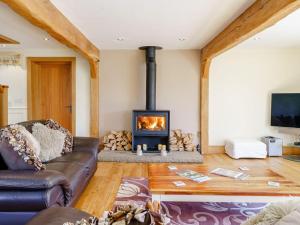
(100, 193)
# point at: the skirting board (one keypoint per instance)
(287, 150)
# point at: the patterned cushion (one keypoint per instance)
(68, 145)
(19, 143)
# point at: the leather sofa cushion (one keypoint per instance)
(86, 144)
(3, 165)
(58, 216)
(84, 158)
(75, 173)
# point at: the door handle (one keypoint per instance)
(69, 107)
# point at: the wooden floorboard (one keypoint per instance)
(101, 191)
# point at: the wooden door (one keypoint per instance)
(51, 91)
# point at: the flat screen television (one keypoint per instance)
(285, 110)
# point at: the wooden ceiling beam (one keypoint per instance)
(44, 14)
(7, 40)
(259, 16)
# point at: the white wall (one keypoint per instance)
(123, 82)
(241, 83)
(16, 78)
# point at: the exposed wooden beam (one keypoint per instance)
(7, 40)
(94, 113)
(259, 16)
(44, 14)
(204, 93)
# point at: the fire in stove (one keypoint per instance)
(154, 123)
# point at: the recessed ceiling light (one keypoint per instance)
(256, 38)
(120, 39)
(3, 45)
(182, 39)
(46, 39)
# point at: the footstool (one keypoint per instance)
(58, 216)
(245, 148)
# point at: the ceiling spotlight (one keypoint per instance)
(46, 39)
(182, 39)
(120, 39)
(3, 45)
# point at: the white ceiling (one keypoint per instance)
(151, 22)
(284, 34)
(19, 29)
(103, 21)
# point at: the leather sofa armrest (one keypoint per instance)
(29, 180)
(86, 144)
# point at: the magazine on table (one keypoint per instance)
(229, 173)
(193, 175)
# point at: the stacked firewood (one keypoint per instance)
(180, 141)
(117, 141)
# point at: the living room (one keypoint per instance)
(150, 111)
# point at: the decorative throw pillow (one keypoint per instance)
(19, 146)
(51, 141)
(68, 145)
(32, 141)
(292, 218)
(276, 214)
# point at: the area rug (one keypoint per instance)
(130, 157)
(135, 190)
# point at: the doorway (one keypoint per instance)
(51, 89)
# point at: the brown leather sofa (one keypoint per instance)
(23, 193)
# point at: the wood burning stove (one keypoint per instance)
(150, 126)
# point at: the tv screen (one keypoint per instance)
(285, 110)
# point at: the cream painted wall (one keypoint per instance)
(16, 78)
(123, 82)
(241, 83)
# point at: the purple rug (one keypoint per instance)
(135, 190)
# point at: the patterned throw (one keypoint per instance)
(136, 191)
(68, 145)
(14, 136)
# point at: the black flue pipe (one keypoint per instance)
(150, 76)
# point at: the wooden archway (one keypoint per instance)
(259, 16)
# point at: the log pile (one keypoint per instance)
(117, 141)
(180, 141)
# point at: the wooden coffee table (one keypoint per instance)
(219, 189)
